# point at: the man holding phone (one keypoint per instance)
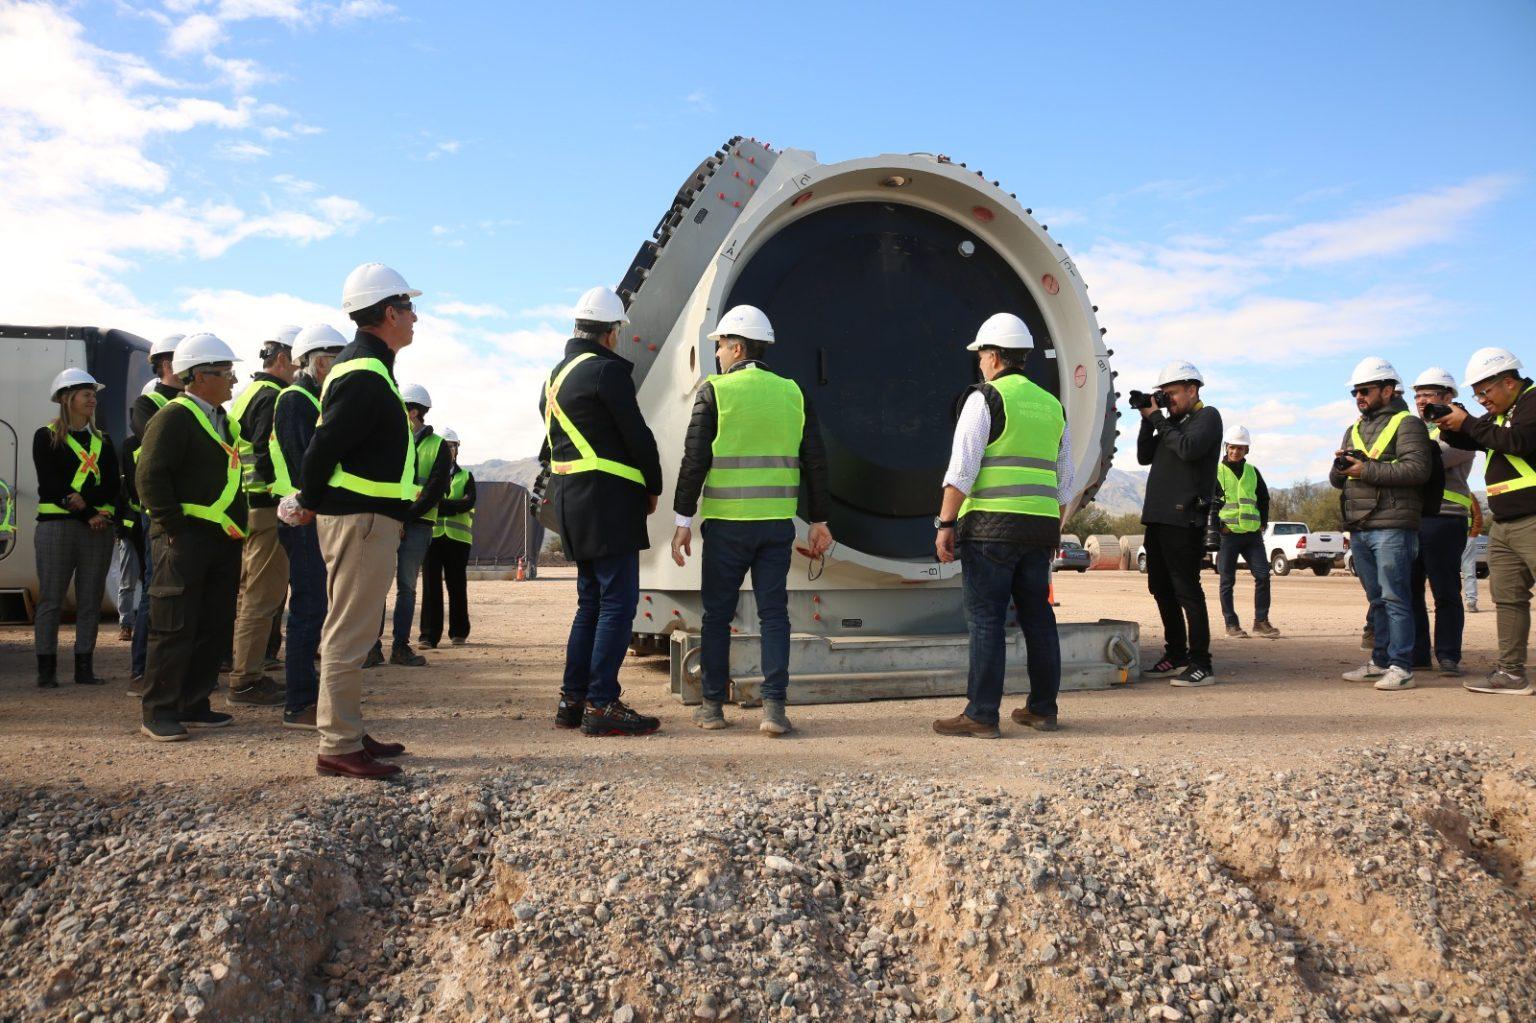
(1442, 536)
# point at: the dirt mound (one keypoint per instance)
(1393, 885)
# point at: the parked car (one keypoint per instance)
(1071, 555)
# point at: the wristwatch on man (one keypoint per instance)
(940, 522)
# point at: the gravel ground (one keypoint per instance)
(1281, 847)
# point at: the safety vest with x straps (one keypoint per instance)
(588, 460)
(90, 465)
(1525, 476)
(218, 511)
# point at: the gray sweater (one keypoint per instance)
(1387, 494)
(1458, 467)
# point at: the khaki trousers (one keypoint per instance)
(263, 585)
(359, 552)
(1511, 574)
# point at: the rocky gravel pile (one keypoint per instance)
(1396, 885)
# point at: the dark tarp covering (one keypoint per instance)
(504, 528)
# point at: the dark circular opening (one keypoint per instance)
(873, 304)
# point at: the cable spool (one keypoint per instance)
(1103, 551)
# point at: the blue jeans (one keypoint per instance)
(413, 551)
(1250, 547)
(993, 573)
(1384, 563)
(1442, 539)
(307, 604)
(731, 549)
(607, 593)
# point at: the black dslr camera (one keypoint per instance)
(1341, 462)
(1213, 523)
(1433, 410)
(1139, 400)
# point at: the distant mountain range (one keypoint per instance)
(1122, 492)
(522, 471)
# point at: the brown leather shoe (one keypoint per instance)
(355, 765)
(1039, 722)
(964, 726)
(124, 633)
(375, 748)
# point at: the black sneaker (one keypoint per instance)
(568, 714)
(375, 657)
(208, 719)
(164, 731)
(264, 692)
(1193, 678)
(403, 655)
(301, 719)
(616, 719)
(1165, 668)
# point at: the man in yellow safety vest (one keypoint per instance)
(1382, 466)
(359, 478)
(752, 440)
(1507, 433)
(189, 482)
(1442, 537)
(1009, 478)
(605, 477)
(1243, 516)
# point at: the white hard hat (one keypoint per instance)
(149, 386)
(600, 305)
(1175, 372)
(201, 350)
(1373, 369)
(315, 338)
(415, 394)
(371, 284)
(166, 345)
(285, 335)
(1002, 330)
(1489, 362)
(744, 321)
(1238, 435)
(69, 379)
(1438, 378)
(448, 435)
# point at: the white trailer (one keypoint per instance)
(30, 357)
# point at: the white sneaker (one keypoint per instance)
(1369, 673)
(1395, 679)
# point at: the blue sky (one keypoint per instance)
(1271, 192)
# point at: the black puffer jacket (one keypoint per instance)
(1388, 493)
(698, 453)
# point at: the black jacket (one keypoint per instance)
(293, 422)
(436, 484)
(179, 463)
(362, 428)
(1518, 438)
(256, 427)
(56, 468)
(1183, 453)
(601, 514)
(464, 504)
(140, 413)
(1261, 498)
(1388, 494)
(698, 449)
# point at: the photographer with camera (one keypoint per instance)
(1508, 434)
(1181, 440)
(1382, 468)
(1240, 519)
(1442, 536)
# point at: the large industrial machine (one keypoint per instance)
(875, 274)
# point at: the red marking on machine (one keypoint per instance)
(1080, 375)
(802, 197)
(982, 214)
(1050, 284)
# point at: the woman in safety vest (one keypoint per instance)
(448, 556)
(77, 482)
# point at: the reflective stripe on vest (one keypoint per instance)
(7, 508)
(402, 489)
(754, 469)
(589, 461)
(426, 458)
(1018, 470)
(90, 465)
(282, 477)
(1240, 513)
(460, 527)
(1464, 500)
(218, 511)
(247, 447)
(1526, 476)
(1384, 438)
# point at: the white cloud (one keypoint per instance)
(699, 101)
(449, 147)
(241, 149)
(198, 34)
(297, 185)
(241, 75)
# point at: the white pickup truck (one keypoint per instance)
(1291, 545)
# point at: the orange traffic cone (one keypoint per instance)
(1050, 593)
(521, 574)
